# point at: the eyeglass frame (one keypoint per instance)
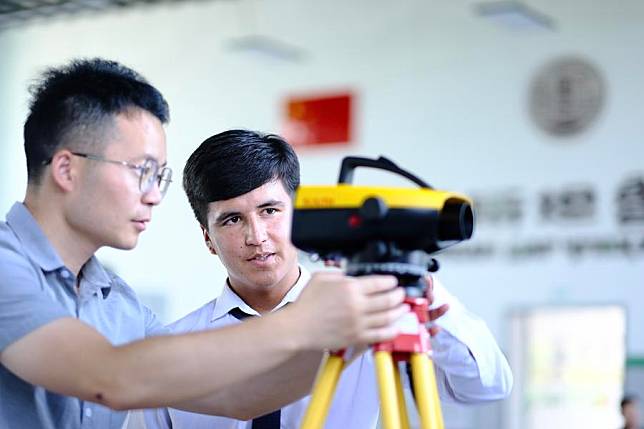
(159, 175)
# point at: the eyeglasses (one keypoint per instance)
(149, 172)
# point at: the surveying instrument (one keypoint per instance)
(391, 231)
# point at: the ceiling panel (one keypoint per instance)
(16, 12)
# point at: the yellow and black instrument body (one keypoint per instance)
(344, 219)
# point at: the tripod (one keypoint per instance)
(412, 346)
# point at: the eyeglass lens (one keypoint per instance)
(150, 173)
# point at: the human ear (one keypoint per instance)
(63, 170)
(206, 238)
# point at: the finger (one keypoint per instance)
(385, 300)
(376, 283)
(378, 335)
(429, 292)
(385, 318)
(429, 281)
(438, 312)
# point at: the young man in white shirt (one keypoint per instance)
(240, 185)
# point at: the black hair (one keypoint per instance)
(628, 399)
(72, 105)
(235, 162)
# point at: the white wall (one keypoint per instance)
(440, 91)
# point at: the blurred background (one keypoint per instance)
(533, 108)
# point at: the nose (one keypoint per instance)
(153, 196)
(255, 232)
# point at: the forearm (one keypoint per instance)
(73, 359)
(471, 367)
(471, 388)
(471, 371)
(267, 392)
(179, 369)
(263, 393)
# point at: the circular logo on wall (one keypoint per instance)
(566, 96)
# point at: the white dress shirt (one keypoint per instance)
(470, 368)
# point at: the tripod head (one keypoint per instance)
(380, 230)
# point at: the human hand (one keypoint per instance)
(338, 311)
(434, 313)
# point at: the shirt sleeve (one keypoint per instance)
(25, 304)
(470, 367)
(153, 326)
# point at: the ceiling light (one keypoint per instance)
(514, 15)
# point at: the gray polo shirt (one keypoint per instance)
(35, 289)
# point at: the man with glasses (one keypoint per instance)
(75, 342)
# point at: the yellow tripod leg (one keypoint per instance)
(322, 395)
(387, 388)
(404, 418)
(424, 377)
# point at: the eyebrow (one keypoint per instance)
(269, 203)
(165, 164)
(148, 156)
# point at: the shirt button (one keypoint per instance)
(88, 413)
(65, 274)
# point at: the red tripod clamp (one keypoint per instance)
(414, 336)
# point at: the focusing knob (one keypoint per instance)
(373, 208)
(395, 268)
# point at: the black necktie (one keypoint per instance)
(270, 420)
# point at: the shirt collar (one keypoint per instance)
(94, 273)
(41, 251)
(229, 299)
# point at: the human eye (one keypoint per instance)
(231, 220)
(271, 210)
(147, 168)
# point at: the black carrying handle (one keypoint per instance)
(350, 163)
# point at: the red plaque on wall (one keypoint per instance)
(320, 120)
